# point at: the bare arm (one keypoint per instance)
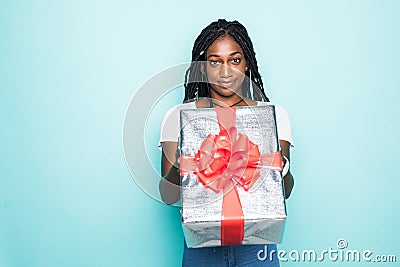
(288, 180)
(169, 185)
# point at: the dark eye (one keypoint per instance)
(214, 62)
(236, 60)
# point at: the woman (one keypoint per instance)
(222, 73)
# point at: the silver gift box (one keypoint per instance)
(263, 205)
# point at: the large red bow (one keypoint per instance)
(221, 159)
(225, 161)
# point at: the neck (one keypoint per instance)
(222, 100)
(222, 104)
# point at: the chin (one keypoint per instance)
(226, 92)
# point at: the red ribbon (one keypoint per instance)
(225, 161)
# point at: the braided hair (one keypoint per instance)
(196, 87)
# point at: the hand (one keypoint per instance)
(285, 167)
(177, 156)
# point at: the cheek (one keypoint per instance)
(240, 73)
(212, 73)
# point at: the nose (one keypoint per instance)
(225, 71)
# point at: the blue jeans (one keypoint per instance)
(246, 255)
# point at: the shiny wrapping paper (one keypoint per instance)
(263, 205)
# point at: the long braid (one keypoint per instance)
(195, 89)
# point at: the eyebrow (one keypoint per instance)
(231, 54)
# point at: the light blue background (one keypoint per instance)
(68, 70)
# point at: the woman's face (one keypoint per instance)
(225, 67)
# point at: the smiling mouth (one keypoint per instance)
(226, 84)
